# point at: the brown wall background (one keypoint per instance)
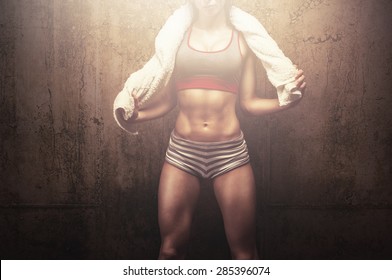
(75, 186)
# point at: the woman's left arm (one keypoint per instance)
(250, 102)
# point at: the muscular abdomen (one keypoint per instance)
(207, 115)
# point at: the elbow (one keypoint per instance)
(248, 107)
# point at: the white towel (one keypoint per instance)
(157, 71)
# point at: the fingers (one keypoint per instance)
(300, 73)
(303, 86)
(134, 91)
(135, 113)
(300, 80)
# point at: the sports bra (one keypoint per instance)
(216, 70)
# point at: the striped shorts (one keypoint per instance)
(207, 159)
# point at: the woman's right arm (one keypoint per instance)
(166, 101)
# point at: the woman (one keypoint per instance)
(214, 68)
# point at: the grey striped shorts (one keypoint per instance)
(207, 159)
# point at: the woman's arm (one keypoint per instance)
(164, 103)
(250, 102)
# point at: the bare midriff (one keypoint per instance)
(207, 115)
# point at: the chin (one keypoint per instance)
(212, 11)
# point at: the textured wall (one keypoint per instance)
(73, 185)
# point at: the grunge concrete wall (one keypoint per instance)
(73, 185)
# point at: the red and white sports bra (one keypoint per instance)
(216, 70)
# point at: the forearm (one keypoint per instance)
(153, 112)
(262, 106)
(142, 115)
(165, 101)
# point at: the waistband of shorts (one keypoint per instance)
(238, 138)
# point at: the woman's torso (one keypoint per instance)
(207, 80)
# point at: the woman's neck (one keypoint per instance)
(211, 23)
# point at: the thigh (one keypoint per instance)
(236, 195)
(177, 197)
